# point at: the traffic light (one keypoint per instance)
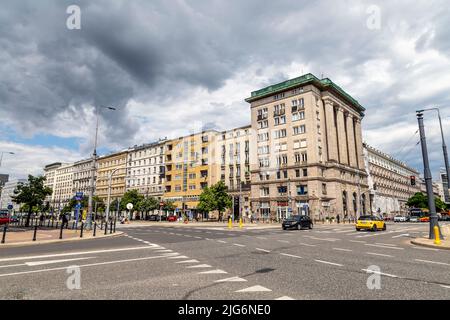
(413, 180)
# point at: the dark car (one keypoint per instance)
(297, 222)
(153, 217)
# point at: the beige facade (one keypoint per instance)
(82, 171)
(115, 165)
(389, 182)
(308, 144)
(145, 169)
(233, 156)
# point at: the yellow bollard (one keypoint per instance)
(240, 223)
(437, 239)
(230, 225)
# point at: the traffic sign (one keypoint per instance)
(10, 207)
(79, 196)
(129, 206)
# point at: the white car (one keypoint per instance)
(399, 219)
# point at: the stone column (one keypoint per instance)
(342, 139)
(331, 131)
(351, 141)
(359, 145)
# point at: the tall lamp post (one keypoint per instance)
(94, 160)
(428, 179)
(444, 147)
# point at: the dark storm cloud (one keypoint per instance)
(157, 52)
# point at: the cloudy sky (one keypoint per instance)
(171, 67)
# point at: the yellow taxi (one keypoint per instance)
(372, 223)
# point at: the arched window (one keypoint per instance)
(355, 202)
(344, 202)
(363, 203)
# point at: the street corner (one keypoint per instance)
(430, 243)
(69, 237)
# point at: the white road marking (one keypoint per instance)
(423, 248)
(179, 257)
(284, 298)
(232, 279)
(12, 265)
(188, 261)
(306, 244)
(434, 262)
(238, 245)
(380, 273)
(78, 253)
(331, 263)
(291, 255)
(446, 287)
(40, 263)
(199, 266)
(401, 235)
(284, 241)
(357, 241)
(264, 250)
(197, 237)
(262, 238)
(379, 254)
(342, 249)
(80, 266)
(217, 271)
(161, 251)
(386, 244)
(384, 247)
(255, 289)
(221, 241)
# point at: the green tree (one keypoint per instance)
(215, 198)
(131, 196)
(418, 200)
(32, 194)
(440, 205)
(168, 206)
(148, 204)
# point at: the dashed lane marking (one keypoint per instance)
(433, 262)
(386, 244)
(291, 255)
(221, 241)
(255, 289)
(217, 271)
(199, 266)
(423, 248)
(342, 249)
(446, 287)
(188, 261)
(179, 257)
(379, 254)
(263, 250)
(306, 244)
(232, 279)
(284, 241)
(401, 235)
(380, 273)
(384, 247)
(238, 245)
(284, 298)
(357, 241)
(330, 263)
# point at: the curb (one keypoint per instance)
(429, 245)
(30, 243)
(245, 227)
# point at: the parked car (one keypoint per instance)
(297, 222)
(414, 219)
(372, 223)
(424, 219)
(172, 218)
(153, 217)
(399, 219)
(4, 219)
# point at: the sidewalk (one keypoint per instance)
(425, 242)
(25, 238)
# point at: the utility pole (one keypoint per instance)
(428, 179)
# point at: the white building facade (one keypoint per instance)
(8, 192)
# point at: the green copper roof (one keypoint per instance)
(324, 84)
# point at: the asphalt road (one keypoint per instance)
(191, 262)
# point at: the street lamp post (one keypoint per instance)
(427, 175)
(444, 147)
(93, 168)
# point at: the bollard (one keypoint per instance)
(95, 228)
(240, 223)
(34, 233)
(230, 225)
(60, 231)
(4, 234)
(101, 225)
(53, 220)
(106, 227)
(114, 229)
(437, 236)
(110, 227)
(73, 225)
(48, 224)
(81, 229)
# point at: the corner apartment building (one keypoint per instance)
(390, 182)
(233, 155)
(146, 169)
(63, 185)
(114, 164)
(8, 192)
(309, 151)
(190, 167)
(82, 171)
(50, 181)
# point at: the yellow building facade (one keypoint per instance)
(190, 167)
(115, 163)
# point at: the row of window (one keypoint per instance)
(299, 158)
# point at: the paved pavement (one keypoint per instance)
(171, 262)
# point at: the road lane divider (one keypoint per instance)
(328, 262)
(379, 254)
